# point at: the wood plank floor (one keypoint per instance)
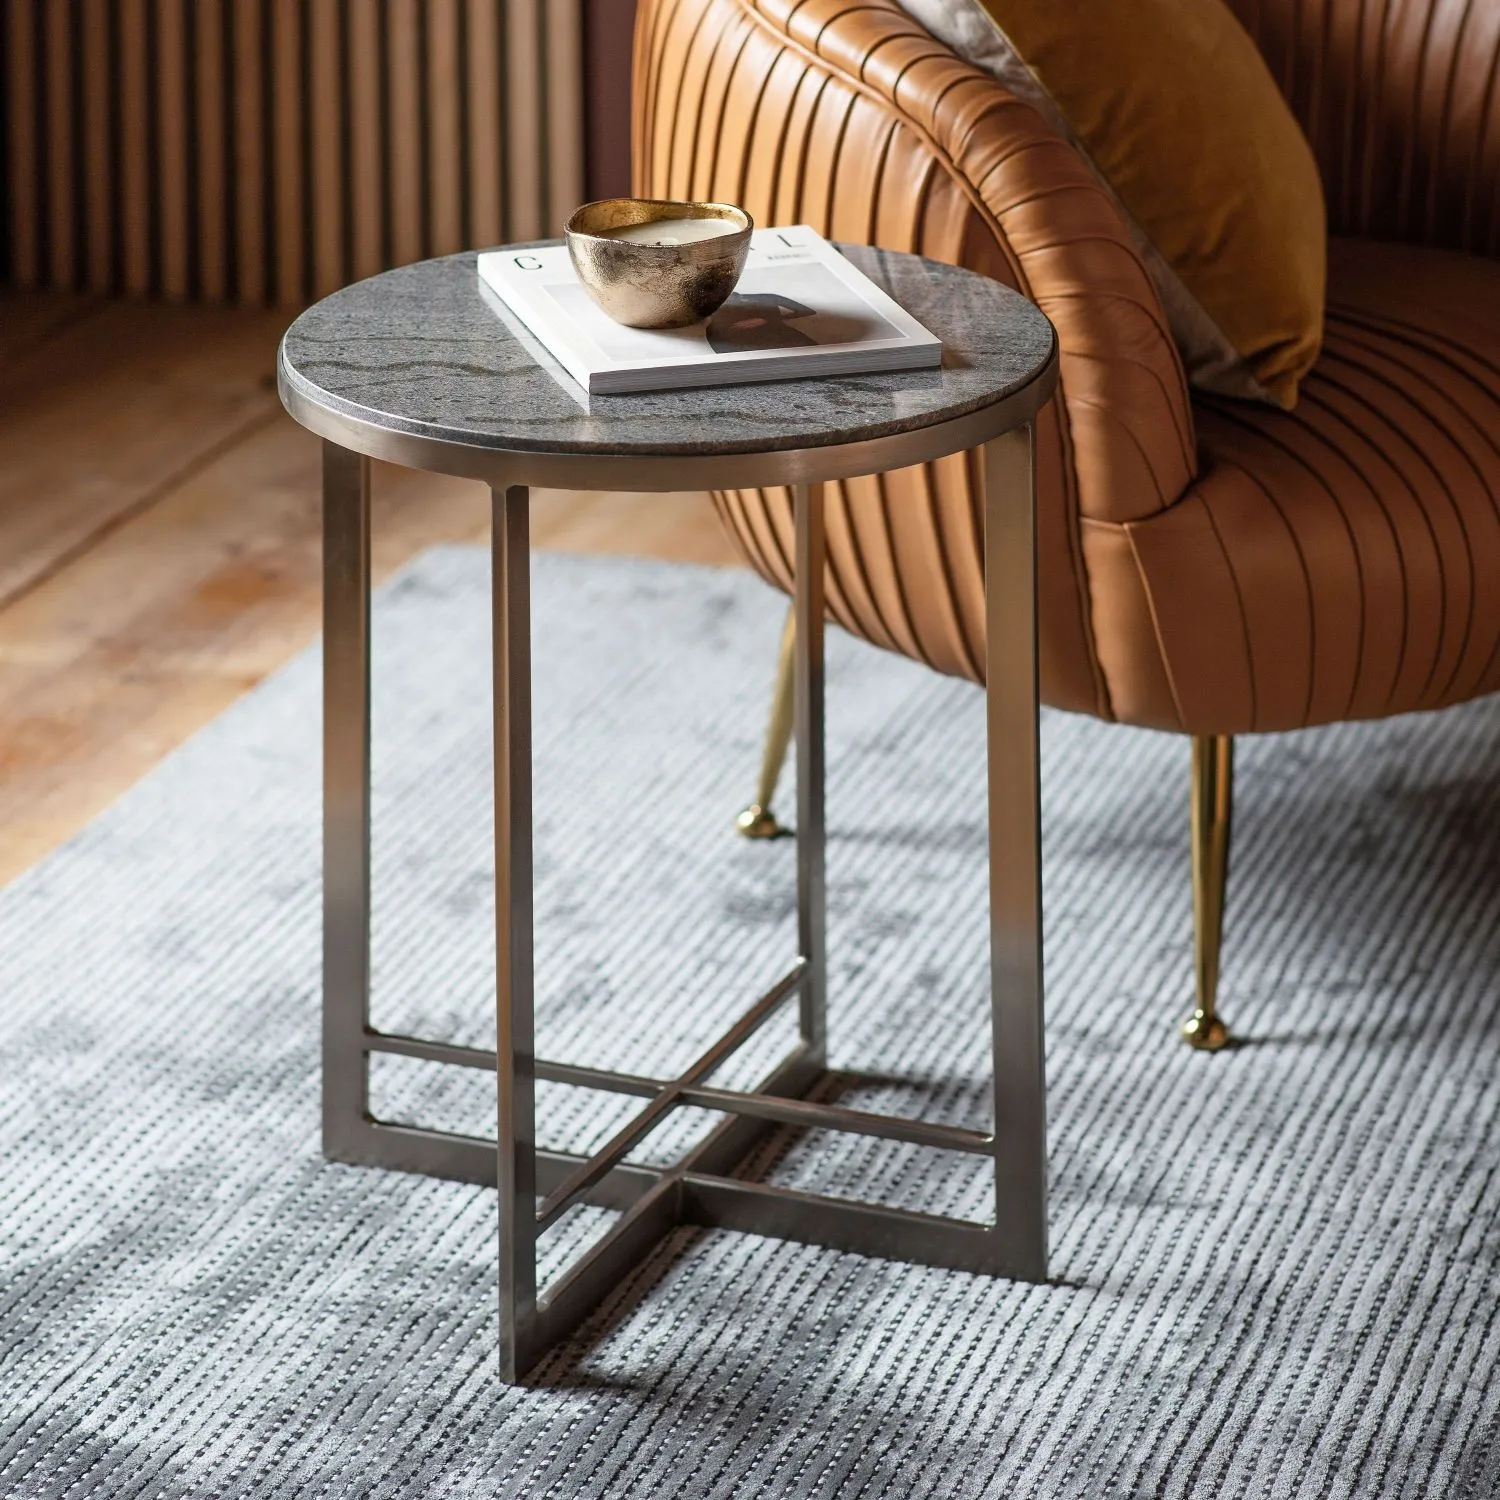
(160, 541)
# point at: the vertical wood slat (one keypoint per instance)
(271, 150)
(135, 152)
(98, 91)
(564, 122)
(62, 195)
(445, 158)
(486, 184)
(171, 146)
(21, 138)
(211, 226)
(287, 163)
(403, 127)
(327, 110)
(367, 187)
(249, 152)
(525, 211)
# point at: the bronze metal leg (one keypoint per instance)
(758, 821)
(346, 802)
(805, 632)
(701, 1187)
(1213, 796)
(1015, 849)
(521, 1339)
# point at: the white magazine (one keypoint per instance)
(800, 310)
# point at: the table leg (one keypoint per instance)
(515, 1033)
(1015, 857)
(696, 1189)
(346, 800)
(808, 717)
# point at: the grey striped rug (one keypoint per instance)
(1275, 1269)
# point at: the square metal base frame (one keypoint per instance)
(536, 1186)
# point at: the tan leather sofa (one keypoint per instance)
(1207, 566)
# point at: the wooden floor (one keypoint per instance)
(160, 541)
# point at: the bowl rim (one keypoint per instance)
(696, 207)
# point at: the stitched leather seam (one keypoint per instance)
(1364, 433)
(1424, 458)
(1128, 527)
(1258, 435)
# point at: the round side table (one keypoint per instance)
(416, 366)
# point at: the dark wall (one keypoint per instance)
(4, 159)
(608, 26)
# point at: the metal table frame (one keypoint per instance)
(701, 1187)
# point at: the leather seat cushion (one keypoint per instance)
(1341, 560)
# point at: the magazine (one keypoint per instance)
(800, 310)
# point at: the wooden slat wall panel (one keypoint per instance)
(329, 108)
(250, 280)
(444, 123)
(402, 122)
(22, 179)
(366, 165)
(288, 158)
(57, 84)
(485, 132)
(173, 135)
(133, 156)
(98, 206)
(268, 151)
(523, 119)
(210, 123)
(564, 122)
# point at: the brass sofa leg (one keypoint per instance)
(1213, 799)
(758, 821)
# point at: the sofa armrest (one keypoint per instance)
(855, 120)
(1399, 101)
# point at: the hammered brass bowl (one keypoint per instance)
(647, 285)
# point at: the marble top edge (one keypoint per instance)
(416, 350)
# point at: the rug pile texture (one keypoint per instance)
(1277, 1270)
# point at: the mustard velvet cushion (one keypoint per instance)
(1178, 113)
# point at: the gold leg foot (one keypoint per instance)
(1213, 789)
(757, 821)
(1206, 1033)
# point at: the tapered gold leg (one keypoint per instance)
(758, 821)
(1213, 797)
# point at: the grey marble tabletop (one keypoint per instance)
(423, 351)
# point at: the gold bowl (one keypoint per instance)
(644, 283)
